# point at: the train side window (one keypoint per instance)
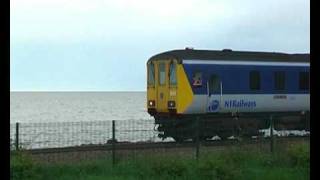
(279, 80)
(304, 80)
(214, 84)
(162, 73)
(254, 80)
(172, 74)
(151, 74)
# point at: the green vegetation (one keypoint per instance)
(21, 166)
(233, 163)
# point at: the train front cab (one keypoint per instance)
(168, 90)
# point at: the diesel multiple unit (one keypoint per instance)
(227, 90)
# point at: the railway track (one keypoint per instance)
(154, 145)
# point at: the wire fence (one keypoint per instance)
(66, 141)
(65, 134)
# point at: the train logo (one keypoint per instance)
(214, 105)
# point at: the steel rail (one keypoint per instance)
(154, 145)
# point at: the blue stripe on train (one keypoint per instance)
(235, 78)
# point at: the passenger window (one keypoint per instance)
(279, 80)
(255, 80)
(304, 81)
(172, 74)
(151, 74)
(214, 84)
(162, 73)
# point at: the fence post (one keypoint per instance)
(17, 136)
(271, 134)
(113, 143)
(197, 138)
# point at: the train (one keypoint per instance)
(229, 92)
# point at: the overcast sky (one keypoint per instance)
(103, 45)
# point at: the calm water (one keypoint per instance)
(58, 119)
(77, 106)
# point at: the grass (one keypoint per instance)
(233, 163)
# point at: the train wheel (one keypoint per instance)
(178, 139)
(224, 136)
(204, 138)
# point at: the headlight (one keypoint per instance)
(151, 103)
(171, 104)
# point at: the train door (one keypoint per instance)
(162, 86)
(214, 93)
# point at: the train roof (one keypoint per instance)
(226, 54)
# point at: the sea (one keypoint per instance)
(59, 119)
(31, 107)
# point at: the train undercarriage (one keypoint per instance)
(225, 125)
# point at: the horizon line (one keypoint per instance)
(73, 91)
